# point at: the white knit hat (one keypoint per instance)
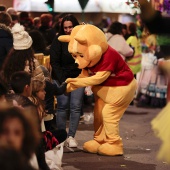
(21, 39)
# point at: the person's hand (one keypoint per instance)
(62, 88)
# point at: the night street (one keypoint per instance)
(140, 144)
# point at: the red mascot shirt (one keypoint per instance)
(121, 75)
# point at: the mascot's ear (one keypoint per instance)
(95, 51)
(80, 39)
(64, 38)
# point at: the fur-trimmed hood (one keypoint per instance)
(5, 31)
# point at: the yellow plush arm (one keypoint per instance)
(84, 73)
(98, 78)
(71, 87)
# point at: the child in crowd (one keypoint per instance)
(53, 137)
(21, 84)
(51, 90)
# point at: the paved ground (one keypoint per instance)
(140, 145)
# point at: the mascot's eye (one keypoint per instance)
(81, 56)
(74, 56)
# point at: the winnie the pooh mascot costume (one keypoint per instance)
(112, 83)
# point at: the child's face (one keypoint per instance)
(12, 133)
(41, 94)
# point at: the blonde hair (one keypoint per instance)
(38, 85)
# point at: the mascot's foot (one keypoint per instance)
(111, 149)
(91, 146)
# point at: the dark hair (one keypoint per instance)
(132, 29)
(56, 22)
(68, 17)
(45, 19)
(16, 61)
(11, 159)
(3, 88)
(31, 132)
(19, 80)
(2, 7)
(26, 21)
(5, 18)
(14, 17)
(124, 26)
(115, 28)
(38, 44)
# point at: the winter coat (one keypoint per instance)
(62, 63)
(6, 42)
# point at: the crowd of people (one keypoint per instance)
(28, 89)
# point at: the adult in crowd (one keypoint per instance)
(63, 67)
(26, 20)
(13, 13)
(135, 61)
(39, 43)
(21, 56)
(6, 39)
(116, 40)
(46, 28)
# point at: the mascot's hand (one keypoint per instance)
(75, 82)
(71, 87)
(70, 80)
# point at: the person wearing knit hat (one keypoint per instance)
(21, 38)
(21, 56)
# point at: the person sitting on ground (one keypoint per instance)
(54, 137)
(21, 84)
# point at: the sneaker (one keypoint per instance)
(71, 142)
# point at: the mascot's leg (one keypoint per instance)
(93, 145)
(116, 102)
(113, 143)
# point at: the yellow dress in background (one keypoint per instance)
(161, 127)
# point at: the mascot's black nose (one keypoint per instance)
(76, 65)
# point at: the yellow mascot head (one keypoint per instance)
(87, 43)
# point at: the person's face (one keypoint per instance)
(68, 26)
(124, 31)
(12, 133)
(41, 94)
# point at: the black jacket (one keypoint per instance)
(63, 64)
(51, 90)
(6, 42)
(48, 34)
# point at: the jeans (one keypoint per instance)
(72, 103)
